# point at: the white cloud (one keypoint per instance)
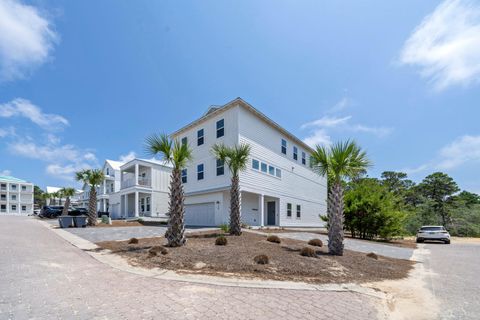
(341, 105)
(24, 108)
(66, 172)
(446, 45)
(6, 132)
(5, 173)
(327, 122)
(26, 39)
(463, 150)
(378, 131)
(127, 157)
(318, 137)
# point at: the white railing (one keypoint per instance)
(131, 182)
(144, 182)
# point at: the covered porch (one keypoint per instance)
(260, 210)
(136, 204)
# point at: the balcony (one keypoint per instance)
(143, 182)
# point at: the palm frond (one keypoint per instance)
(236, 157)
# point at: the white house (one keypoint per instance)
(16, 196)
(143, 190)
(277, 189)
(74, 201)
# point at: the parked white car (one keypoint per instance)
(436, 233)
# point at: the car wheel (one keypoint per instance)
(447, 241)
(419, 240)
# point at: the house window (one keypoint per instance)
(220, 167)
(108, 172)
(295, 153)
(200, 137)
(255, 164)
(24, 188)
(14, 197)
(14, 187)
(142, 205)
(24, 208)
(3, 197)
(299, 211)
(184, 141)
(3, 186)
(289, 210)
(278, 173)
(264, 167)
(220, 128)
(184, 176)
(112, 187)
(271, 170)
(148, 204)
(304, 158)
(3, 207)
(284, 146)
(200, 172)
(14, 207)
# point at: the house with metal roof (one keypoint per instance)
(16, 196)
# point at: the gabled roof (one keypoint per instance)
(214, 111)
(11, 179)
(152, 161)
(115, 164)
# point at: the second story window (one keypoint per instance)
(304, 158)
(112, 187)
(220, 167)
(284, 146)
(184, 176)
(299, 211)
(24, 188)
(14, 197)
(295, 153)
(220, 128)
(289, 210)
(200, 137)
(255, 164)
(14, 187)
(184, 140)
(3, 186)
(264, 167)
(200, 173)
(108, 172)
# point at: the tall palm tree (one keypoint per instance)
(342, 160)
(45, 198)
(67, 193)
(236, 158)
(92, 177)
(178, 155)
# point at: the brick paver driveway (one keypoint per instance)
(44, 277)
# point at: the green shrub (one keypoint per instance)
(221, 241)
(315, 242)
(273, 238)
(225, 228)
(133, 241)
(308, 252)
(155, 250)
(261, 259)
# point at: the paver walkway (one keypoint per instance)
(44, 277)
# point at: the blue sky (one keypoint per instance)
(81, 81)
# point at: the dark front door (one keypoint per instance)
(271, 213)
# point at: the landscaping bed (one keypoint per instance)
(236, 258)
(129, 223)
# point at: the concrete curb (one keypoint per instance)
(117, 262)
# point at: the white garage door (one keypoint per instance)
(201, 214)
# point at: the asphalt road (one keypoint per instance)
(455, 278)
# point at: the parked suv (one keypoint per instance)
(436, 233)
(51, 211)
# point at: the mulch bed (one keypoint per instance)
(129, 223)
(201, 255)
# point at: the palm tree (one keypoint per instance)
(342, 160)
(45, 197)
(178, 155)
(92, 177)
(67, 193)
(236, 158)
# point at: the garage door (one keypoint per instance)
(201, 214)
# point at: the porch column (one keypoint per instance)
(104, 186)
(136, 204)
(126, 205)
(261, 203)
(136, 174)
(104, 205)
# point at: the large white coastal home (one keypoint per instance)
(278, 188)
(143, 190)
(16, 196)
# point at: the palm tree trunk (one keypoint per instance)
(235, 224)
(335, 212)
(92, 207)
(65, 207)
(176, 226)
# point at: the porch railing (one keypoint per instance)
(131, 182)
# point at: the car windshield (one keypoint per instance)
(432, 229)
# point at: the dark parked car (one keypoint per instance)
(51, 211)
(77, 212)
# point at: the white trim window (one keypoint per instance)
(295, 153)
(184, 176)
(14, 197)
(220, 128)
(14, 207)
(299, 211)
(220, 167)
(304, 158)
(200, 137)
(24, 208)
(148, 204)
(266, 168)
(200, 171)
(289, 210)
(284, 146)
(255, 164)
(184, 141)
(24, 188)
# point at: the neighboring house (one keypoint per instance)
(143, 190)
(16, 196)
(74, 201)
(278, 188)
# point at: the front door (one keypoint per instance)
(271, 213)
